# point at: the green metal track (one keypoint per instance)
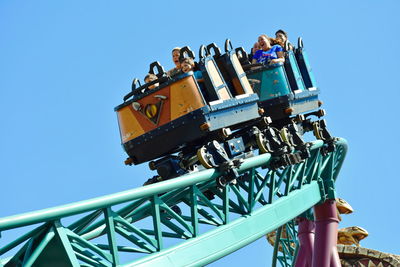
(141, 227)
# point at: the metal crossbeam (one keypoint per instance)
(204, 230)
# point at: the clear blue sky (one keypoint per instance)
(64, 65)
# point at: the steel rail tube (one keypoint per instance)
(121, 197)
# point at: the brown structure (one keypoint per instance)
(352, 256)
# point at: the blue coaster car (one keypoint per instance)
(289, 95)
(259, 132)
(285, 90)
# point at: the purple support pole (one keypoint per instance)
(306, 243)
(326, 224)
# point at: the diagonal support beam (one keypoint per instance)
(61, 233)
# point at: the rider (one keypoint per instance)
(268, 54)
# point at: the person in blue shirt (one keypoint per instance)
(268, 53)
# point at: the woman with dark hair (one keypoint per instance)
(269, 53)
(282, 36)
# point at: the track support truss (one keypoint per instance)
(184, 221)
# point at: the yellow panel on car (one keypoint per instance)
(128, 124)
(185, 97)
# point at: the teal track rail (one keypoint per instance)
(142, 227)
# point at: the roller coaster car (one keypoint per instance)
(181, 114)
(287, 89)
